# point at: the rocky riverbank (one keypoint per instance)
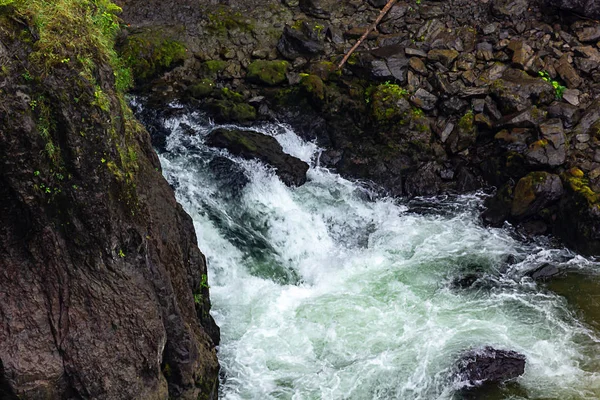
(442, 97)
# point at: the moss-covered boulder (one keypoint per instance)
(150, 53)
(201, 89)
(389, 103)
(254, 145)
(228, 106)
(578, 222)
(534, 192)
(313, 86)
(268, 72)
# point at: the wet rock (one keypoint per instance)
(485, 51)
(248, 144)
(509, 8)
(358, 31)
(516, 91)
(230, 176)
(571, 96)
(454, 105)
(417, 65)
(522, 53)
(464, 134)
(590, 120)
(423, 99)
(415, 52)
(498, 206)
(543, 272)
(394, 20)
(534, 192)
(578, 218)
(489, 365)
(295, 43)
(426, 182)
(585, 8)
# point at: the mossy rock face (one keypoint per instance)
(388, 103)
(229, 106)
(202, 89)
(229, 111)
(212, 68)
(314, 86)
(268, 72)
(464, 134)
(578, 221)
(150, 54)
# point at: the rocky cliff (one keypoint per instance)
(103, 290)
(442, 97)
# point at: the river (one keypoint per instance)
(329, 291)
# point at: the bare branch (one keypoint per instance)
(384, 11)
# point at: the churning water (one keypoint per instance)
(326, 291)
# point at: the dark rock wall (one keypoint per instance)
(443, 97)
(101, 279)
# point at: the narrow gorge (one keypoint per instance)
(197, 203)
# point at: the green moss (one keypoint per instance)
(236, 137)
(465, 123)
(228, 94)
(228, 110)
(575, 178)
(151, 53)
(202, 89)
(385, 100)
(214, 66)
(313, 85)
(268, 72)
(223, 20)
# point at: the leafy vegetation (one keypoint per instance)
(75, 33)
(73, 41)
(558, 88)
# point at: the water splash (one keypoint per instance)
(323, 294)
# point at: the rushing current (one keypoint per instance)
(328, 291)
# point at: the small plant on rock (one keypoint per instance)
(558, 88)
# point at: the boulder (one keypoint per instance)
(297, 42)
(534, 192)
(268, 72)
(254, 145)
(489, 365)
(517, 91)
(551, 149)
(543, 272)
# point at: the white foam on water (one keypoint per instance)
(365, 309)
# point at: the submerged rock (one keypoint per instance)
(249, 144)
(489, 365)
